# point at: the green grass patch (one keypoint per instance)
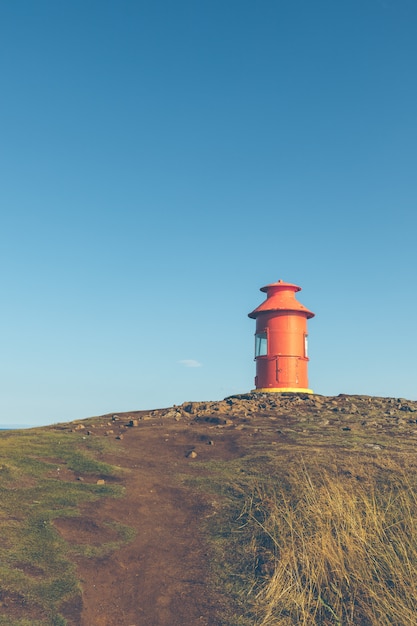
(36, 572)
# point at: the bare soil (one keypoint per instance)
(162, 577)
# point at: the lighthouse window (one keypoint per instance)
(306, 346)
(261, 344)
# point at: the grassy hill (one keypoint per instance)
(266, 509)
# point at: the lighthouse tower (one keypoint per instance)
(281, 340)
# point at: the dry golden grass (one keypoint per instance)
(335, 550)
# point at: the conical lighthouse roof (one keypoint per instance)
(281, 297)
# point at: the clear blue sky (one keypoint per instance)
(161, 161)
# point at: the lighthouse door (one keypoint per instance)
(287, 370)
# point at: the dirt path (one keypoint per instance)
(161, 578)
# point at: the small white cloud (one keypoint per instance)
(190, 363)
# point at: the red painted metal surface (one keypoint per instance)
(281, 340)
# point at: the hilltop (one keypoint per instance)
(184, 475)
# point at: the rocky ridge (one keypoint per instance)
(276, 416)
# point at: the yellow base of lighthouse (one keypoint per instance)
(282, 390)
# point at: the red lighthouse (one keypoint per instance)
(281, 340)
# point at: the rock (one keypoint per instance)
(316, 404)
(79, 427)
(191, 455)
(175, 413)
(101, 481)
(215, 420)
(133, 423)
